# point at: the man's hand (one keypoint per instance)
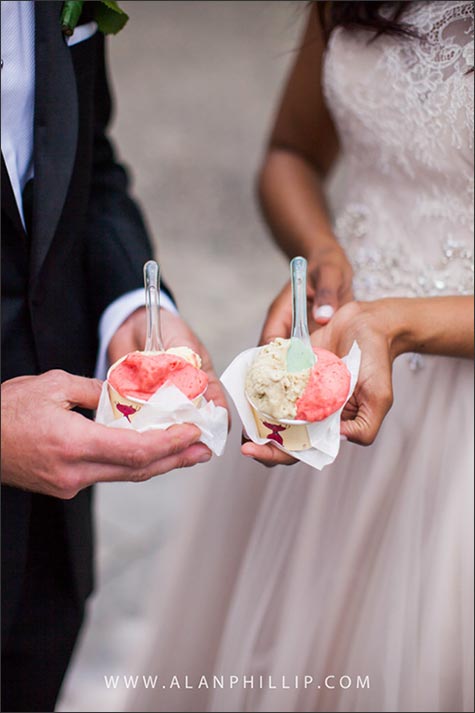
(50, 449)
(176, 333)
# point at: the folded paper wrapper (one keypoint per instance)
(167, 407)
(324, 436)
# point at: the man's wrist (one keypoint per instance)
(115, 315)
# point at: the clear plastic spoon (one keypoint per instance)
(300, 354)
(151, 274)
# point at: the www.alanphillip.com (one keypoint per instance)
(261, 682)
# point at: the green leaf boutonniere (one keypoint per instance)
(109, 16)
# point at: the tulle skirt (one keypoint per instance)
(349, 589)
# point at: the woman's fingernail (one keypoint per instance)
(204, 458)
(323, 312)
(343, 438)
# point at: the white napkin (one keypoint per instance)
(169, 406)
(324, 435)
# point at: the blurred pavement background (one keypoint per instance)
(196, 84)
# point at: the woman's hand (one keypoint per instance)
(373, 326)
(384, 329)
(329, 287)
(330, 276)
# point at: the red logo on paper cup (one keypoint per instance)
(274, 434)
(126, 410)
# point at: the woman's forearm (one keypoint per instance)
(293, 203)
(429, 325)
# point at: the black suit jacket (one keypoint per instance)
(87, 247)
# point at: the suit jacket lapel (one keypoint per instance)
(9, 205)
(55, 129)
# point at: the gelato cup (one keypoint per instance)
(290, 434)
(128, 405)
(284, 403)
(322, 437)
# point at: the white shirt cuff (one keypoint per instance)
(116, 313)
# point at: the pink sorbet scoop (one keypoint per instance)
(139, 375)
(327, 387)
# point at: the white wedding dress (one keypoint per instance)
(363, 569)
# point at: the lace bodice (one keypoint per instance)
(404, 112)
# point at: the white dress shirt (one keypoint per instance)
(18, 93)
(18, 96)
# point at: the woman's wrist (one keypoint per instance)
(426, 325)
(325, 244)
(393, 317)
